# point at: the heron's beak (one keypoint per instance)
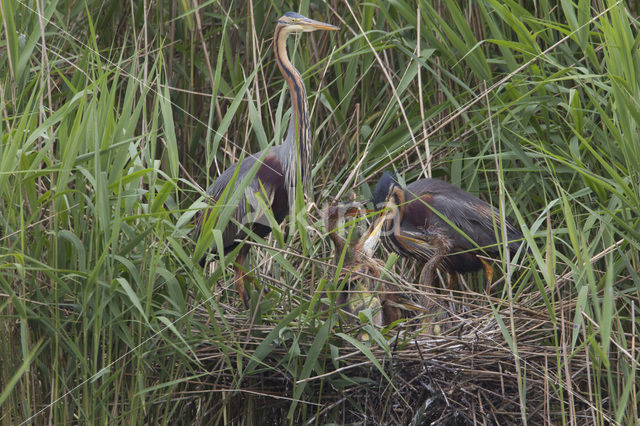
(309, 25)
(374, 230)
(371, 238)
(357, 211)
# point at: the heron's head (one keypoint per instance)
(294, 22)
(387, 197)
(387, 189)
(347, 211)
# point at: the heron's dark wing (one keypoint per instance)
(474, 217)
(266, 189)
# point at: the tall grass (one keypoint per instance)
(115, 115)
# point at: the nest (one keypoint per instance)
(486, 362)
(467, 374)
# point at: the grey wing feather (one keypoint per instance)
(476, 218)
(231, 232)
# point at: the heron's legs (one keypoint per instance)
(452, 280)
(488, 269)
(240, 267)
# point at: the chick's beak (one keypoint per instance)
(371, 238)
(357, 209)
(374, 231)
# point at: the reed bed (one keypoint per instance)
(115, 117)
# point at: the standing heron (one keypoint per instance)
(440, 225)
(275, 178)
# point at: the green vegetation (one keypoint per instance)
(115, 115)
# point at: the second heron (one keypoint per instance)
(441, 225)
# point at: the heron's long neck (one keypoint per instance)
(395, 221)
(333, 214)
(302, 153)
(395, 214)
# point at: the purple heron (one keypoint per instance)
(275, 179)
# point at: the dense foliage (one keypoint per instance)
(116, 115)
